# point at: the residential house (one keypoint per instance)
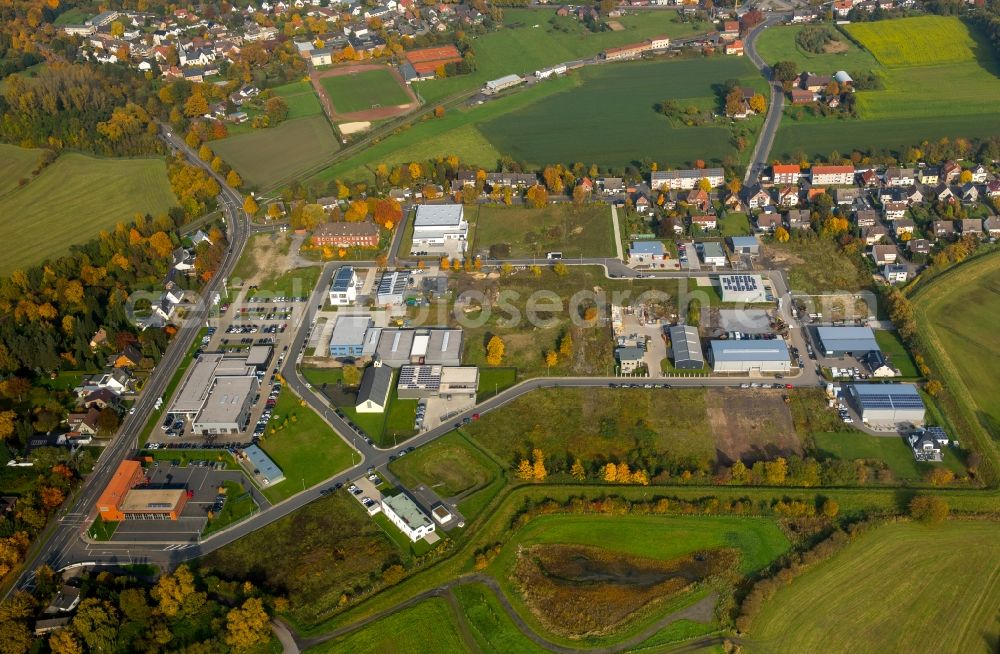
(943, 193)
(971, 226)
(874, 234)
(705, 221)
(798, 219)
(734, 48)
(979, 174)
(686, 179)
(768, 222)
(130, 357)
(884, 254)
(611, 185)
(895, 176)
(641, 203)
(788, 196)
(99, 398)
(913, 195)
(866, 217)
(699, 199)
(868, 178)
(730, 30)
(878, 365)
(373, 393)
(903, 226)
(629, 358)
(970, 193)
(993, 188)
(815, 83)
(950, 172)
(927, 444)
(801, 96)
(847, 195)
(894, 210)
(100, 338)
(943, 228)
(756, 197)
(84, 423)
(832, 175)
(992, 226)
(928, 175)
(918, 246)
(895, 273)
(786, 173)
(734, 204)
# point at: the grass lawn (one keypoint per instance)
(72, 16)
(312, 556)
(183, 457)
(536, 39)
(300, 98)
(735, 224)
(892, 347)
(364, 90)
(494, 380)
(944, 582)
(918, 41)
(575, 231)
(491, 626)
(16, 164)
(778, 44)
(265, 155)
(450, 465)
(410, 631)
(102, 529)
(552, 128)
(298, 282)
(320, 376)
(393, 425)
(305, 448)
(892, 451)
(817, 266)
(239, 505)
(76, 197)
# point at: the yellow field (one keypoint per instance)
(918, 41)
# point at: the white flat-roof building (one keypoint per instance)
(405, 514)
(742, 288)
(227, 407)
(344, 287)
(502, 83)
(888, 405)
(200, 380)
(438, 225)
(750, 357)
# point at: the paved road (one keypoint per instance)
(63, 544)
(762, 150)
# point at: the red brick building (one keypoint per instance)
(362, 234)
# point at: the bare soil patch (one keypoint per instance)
(578, 591)
(835, 47)
(751, 424)
(615, 26)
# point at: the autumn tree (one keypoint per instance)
(781, 235)
(64, 642)
(537, 196)
(233, 179)
(610, 472)
(8, 419)
(538, 471)
(357, 211)
(566, 345)
(830, 508)
(758, 103)
(388, 212)
(933, 388)
(551, 358)
(250, 205)
(176, 593)
(248, 626)
(580, 195)
(739, 473)
(205, 152)
(525, 470)
(560, 269)
(577, 471)
(97, 622)
(495, 351)
(308, 217)
(195, 105)
(704, 184)
(161, 244)
(276, 109)
(928, 508)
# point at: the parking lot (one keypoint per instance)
(203, 482)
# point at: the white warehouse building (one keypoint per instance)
(888, 405)
(440, 229)
(750, 357)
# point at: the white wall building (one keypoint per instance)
(344, 287)
(438, 226)
(405, 514)
(750, 357)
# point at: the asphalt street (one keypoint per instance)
(762, 150)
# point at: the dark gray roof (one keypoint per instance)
(375, 385)
(685, 344)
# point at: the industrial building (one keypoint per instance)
(399, 347)
(128, 475)
(745, 245)
(405, 514)
(747, 289)
(685, 346)
(348, 337)
(344, 287)
(263, 468)
(420, 381)
(853, 341)
(440, 229)
(391, 287)
(373, 394)
(502, 83)
(259, 356)
(153, 503)
(218, 391)
(459, 381)
(227, 406)
(750, 357)
(712, 254)
(888, 405)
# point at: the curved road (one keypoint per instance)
(761, 151)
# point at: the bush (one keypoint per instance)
(928, 508)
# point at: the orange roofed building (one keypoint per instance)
(128, 475)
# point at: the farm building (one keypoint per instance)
(391, 287)
(888, 405)
(742, 288)
(686, 348)
(502, 84)
(373, 394)
(753, 357)
(343, 288)
(440, 229)
(854, 341)
(405, 514)
(348, 336)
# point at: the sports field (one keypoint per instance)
(73, 199)
(917, 41)
(531, 42)
(904, 587)
(264, 156)
(364, 90)
(16, 164)
(610, 118)
(778, 44)
(523, 232)
(300, 98)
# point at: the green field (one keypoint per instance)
(301, 99)
(265, 156)
(392, 426)
(364, 90)
(305, 448)
(891, 450)
(297, 282)
(892, 347)
(450, 465)
(575, 125)
(903, 587)
(490, 625)
(574, 231)
(917, 41)
(778, 44)
(523, 48)
(735, 224)
(426, 626)
(73, 199)
(16, 164)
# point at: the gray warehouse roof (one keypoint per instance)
(267, 468)
(685, 343)
(847, 339)
(438, 215)
(762, 350)
(445, 345)
(888, 396)
(350, 330)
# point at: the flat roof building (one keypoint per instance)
(745, 244)
(227, 407)
(394, 347)
(259, 356)
(201, 376)
(417, 382)
(154, 503)
(712, 254)
(750, 357)
(888, 405)
(742, 288)
(405, 514)
(262, 466)
(128, 475)
(459, 380)
(391, 287)
(439, 229)
(444, 347)
(838, 341)
(348, 337)
(685, 345)
(344, 287)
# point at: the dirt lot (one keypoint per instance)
(751, 424)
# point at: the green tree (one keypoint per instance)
(96, 621)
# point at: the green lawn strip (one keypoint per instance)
(735, 224)
(449, 465)
(300, 98)
(676, 632)
(944, 579)
(303, 446)
(494, 380)
(426, 626)
(363, 91)
(298, 282)
(184, 457)
(239, 505)
(263, 155)
(155, 418)
(892, 347)
(893, 451)
(77, 196)
(491, 626)
(72, 16)
(574, 231)
(102, 529)
(319, 376)
(16, 164)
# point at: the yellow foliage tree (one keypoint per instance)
(610, 472)
(525, 470)
(578, 471)
(551, 358)
(640, 477)
(539, 473)
(494, 351)
(781, 235)
(622, 473)
(250, 205)
(248, 626)
(234, 179)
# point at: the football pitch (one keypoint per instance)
(364, 90)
